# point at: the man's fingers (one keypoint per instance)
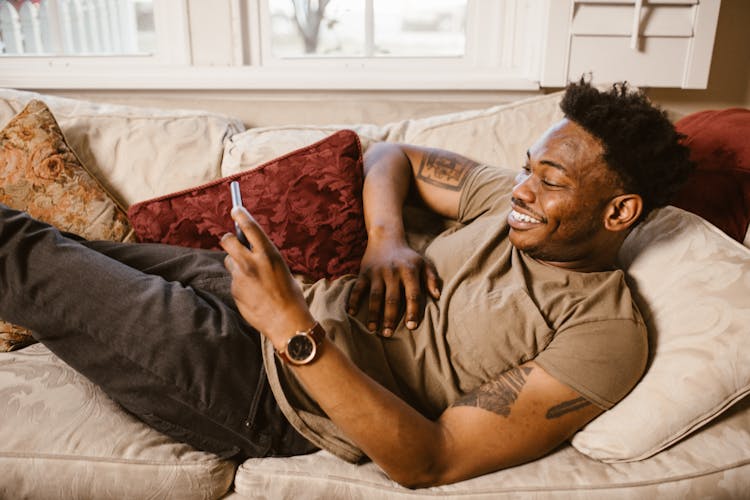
(234, 248)
(413, 294)
(229, 263)
(432, 280)
(392, 302)
(250, 228)
(355, 295)
(375, 305)
(391, 310)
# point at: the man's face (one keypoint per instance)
(559, 198)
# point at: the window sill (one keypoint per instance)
(92, 74)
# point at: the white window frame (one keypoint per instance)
(193, 54)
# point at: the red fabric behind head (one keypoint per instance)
(309, 202)
(719, 189)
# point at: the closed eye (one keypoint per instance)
(526, 169)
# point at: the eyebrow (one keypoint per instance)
(549, 163)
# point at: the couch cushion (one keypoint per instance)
(137, 153)
(62, 437)
(41, 174)
(500, 135)
(692, 284)
(249, 149)
(308, 201)
(711, 464)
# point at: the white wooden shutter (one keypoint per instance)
(650, 43)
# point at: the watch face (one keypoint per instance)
(300, 349)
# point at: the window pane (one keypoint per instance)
(317, 27)
(368, 28)
(76, 27)
(415, 28)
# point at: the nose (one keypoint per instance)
(525, 188)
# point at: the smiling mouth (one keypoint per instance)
(524, 218)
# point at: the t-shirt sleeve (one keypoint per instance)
(487, 190)
(602, 360)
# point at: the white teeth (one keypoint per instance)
(523, 217)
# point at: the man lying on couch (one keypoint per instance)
(526, 332)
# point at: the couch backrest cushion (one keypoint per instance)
(251, 148)
(137, 153)
(499, 135)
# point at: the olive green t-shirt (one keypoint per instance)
(498, 308)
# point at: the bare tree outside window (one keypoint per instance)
(309, 14)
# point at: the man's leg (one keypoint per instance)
(179, 357)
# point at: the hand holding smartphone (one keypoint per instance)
(234, 187)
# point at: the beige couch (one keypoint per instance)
(683, 432)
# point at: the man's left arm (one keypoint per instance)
(522, 415)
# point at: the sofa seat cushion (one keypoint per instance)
(62, 437)
(137, 153)
(713, 463)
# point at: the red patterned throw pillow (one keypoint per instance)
(308, 201)
(719, 189)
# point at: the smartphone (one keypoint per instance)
(234, 187)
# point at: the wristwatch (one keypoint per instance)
(303, 347)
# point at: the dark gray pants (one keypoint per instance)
(154, 326)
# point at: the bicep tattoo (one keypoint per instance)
(444, 169)
(558, 411)
(498, 395)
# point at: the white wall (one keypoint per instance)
(729, 80)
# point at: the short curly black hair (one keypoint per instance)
(640, 143)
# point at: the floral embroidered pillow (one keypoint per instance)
(40, 174)
(719, 188)
(308, 201)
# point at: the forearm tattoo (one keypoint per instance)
(558, 411)
(498, 395)
(446, 170)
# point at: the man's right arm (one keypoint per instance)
(391, 270)
(435, 176)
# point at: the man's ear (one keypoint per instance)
(622, 212)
